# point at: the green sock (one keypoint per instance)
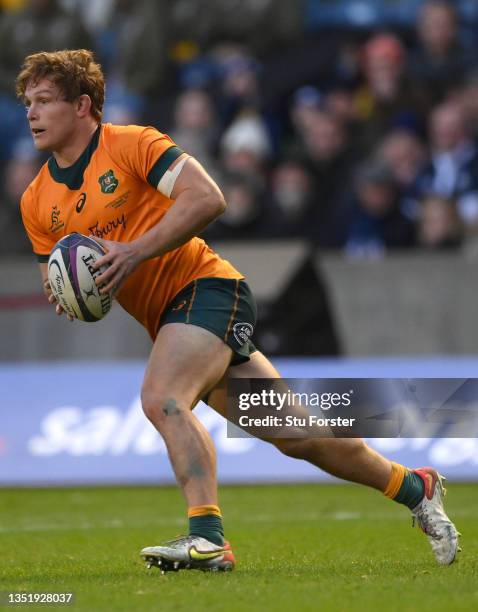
(208, 526)
(411, 492)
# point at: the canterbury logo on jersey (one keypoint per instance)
(101, 231)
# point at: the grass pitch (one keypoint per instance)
(298, 547)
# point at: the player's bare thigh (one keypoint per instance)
(185, 362)
(260, 367)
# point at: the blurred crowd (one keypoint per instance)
(363, 141)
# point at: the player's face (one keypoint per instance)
(52, 119)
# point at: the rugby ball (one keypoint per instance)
(72, 277)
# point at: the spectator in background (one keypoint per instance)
(42, 25)
(322, 146)
(292, 200)
(324, 141)
(245, 145)
(195, 128)
(240, 89)
(340, 97)
(245, 151)
(306, 102)
(341, 103)
(245, 216)
(94, 13)
(468, 98)
(453, 167)
(20, 170)
(387, 99)
(260, 25)
(239, 83)
(347, 64)
(405, 154)
(376, 223)
(440, 58)
(191, 24)
(134, 56)
(439, 224)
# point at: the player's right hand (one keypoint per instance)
(52, 299)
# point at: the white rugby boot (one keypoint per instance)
(432, 519)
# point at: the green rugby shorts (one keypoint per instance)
(223, 306)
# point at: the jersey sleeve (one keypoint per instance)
(42, 242)
(145, 152)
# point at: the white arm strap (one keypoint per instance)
(168, 180)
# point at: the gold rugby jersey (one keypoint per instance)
(111, 192)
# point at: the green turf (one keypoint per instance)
(304, 547)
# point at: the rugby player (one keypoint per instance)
(146, 200)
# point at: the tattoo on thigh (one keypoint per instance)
(171, 408)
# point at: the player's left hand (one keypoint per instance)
(122, 260)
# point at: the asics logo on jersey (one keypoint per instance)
(81, 203)
(108, 182)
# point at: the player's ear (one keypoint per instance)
(83, 105)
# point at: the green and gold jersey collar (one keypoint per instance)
(72, 176)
